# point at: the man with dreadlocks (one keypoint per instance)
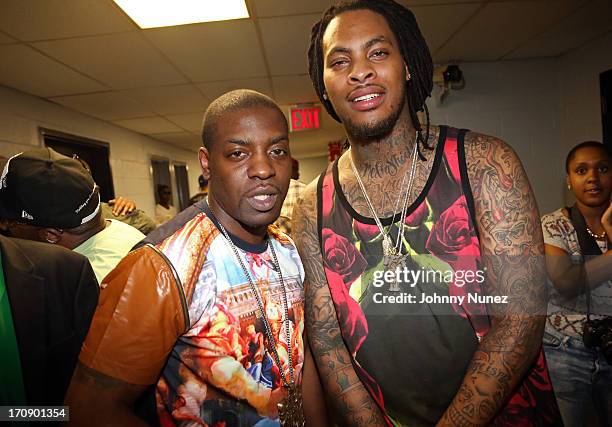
(425, 279)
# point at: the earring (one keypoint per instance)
(325, 96)
(569, 187)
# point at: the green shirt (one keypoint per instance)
(12, 391)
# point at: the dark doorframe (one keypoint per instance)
(94, 153)
(605, 87)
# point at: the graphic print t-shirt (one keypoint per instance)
(222, 371)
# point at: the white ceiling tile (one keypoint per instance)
(498, 28)
(180, 139)
(284, 7)
(286, 43)
(190, 122)
(5, 39)
(169, 99)
(148, 125)
(438, 23)
(212, 51)
(412, 3)
(118, 60)
(588, 22)
(51, 19)
(294, 89)
(106, 105)
(213, 90)
(25, 69)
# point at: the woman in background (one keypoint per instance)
(579, 263)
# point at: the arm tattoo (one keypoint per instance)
(512, 254)
(348, 397)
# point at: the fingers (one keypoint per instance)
(606, 220)
(122, 206)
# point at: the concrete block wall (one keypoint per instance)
(21, 115)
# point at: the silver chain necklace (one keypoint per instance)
(392, 254)
(290, 408)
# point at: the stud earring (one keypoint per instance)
(325, 96)
(569, 187)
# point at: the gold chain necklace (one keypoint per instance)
(392, 254)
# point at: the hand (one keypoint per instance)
(275, 397)
(122, 206)
(606, 220)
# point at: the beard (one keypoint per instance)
(375, 130)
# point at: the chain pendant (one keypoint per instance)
(391, 260)
(388, 249)
(290, 410)
(396, 261)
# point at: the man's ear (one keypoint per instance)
(50, 235)
(204, 157)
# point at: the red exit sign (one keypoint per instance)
(303, 118)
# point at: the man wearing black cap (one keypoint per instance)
(52, 198)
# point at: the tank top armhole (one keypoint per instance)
(320, 206)
(465, 180)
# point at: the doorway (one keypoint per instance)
(94, 153)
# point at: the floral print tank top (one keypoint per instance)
(411, 348)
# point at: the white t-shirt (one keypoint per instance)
(106, 248)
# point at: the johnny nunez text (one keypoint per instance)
(406, 298)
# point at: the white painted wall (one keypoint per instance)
(311, 168)
(21, 115)
(517, 101)
(541, 108)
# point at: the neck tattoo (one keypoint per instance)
(392, 253)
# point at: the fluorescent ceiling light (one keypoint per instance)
(165, 13)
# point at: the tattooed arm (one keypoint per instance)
(349, 400)
(315, 411)
(96, 399)
(512, 253)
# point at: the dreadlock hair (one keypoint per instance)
(585, 144)
(412, 46)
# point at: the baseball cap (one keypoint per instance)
(44, 188)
